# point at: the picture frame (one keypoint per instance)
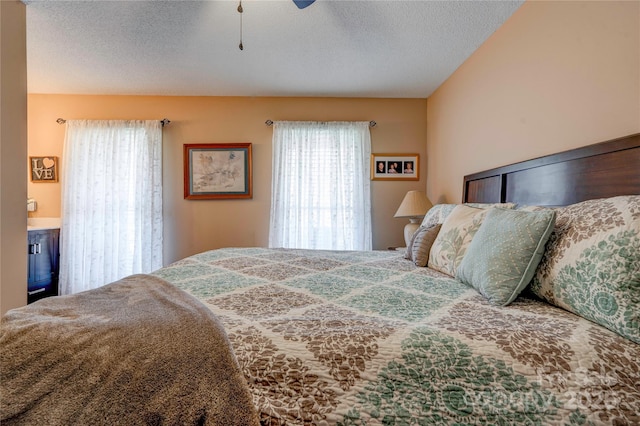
(218, 171)
(43, 169)
(395, 166)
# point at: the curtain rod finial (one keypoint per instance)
(61, 121)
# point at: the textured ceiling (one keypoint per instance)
(402, 49)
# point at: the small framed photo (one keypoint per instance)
(217, 171)
(395, 166)
(44, 169)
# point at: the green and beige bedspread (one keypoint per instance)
(367, 338)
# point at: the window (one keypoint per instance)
(111, 202)
(320, 186)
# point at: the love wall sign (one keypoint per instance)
(44, 169)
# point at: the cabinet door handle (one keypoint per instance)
(40, 290)
(38, 248)
(32, 249)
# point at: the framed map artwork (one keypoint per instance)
(217, 171)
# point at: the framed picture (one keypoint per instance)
(217, 170)
(395, 166)
(44, 169)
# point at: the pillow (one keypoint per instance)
(454, 237)
(439, 212)
(591, 265)
(531, 208)
(408, 252)
(420, 245)
(505, 252)
(489, 205)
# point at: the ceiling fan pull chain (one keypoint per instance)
(240, 10)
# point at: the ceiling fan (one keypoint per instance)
(303, 3)
(300, 3)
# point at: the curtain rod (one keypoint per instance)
(164, 121)
(371, 123)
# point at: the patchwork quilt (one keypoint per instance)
(368, 338)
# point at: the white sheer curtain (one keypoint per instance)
(320, 195)
(111, 202)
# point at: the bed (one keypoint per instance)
(368, 338)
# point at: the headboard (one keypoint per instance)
(605, 169)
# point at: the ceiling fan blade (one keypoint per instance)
(303, 3)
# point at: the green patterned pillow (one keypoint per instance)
(505, 252)
(591, 265)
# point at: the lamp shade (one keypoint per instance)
(415, 203)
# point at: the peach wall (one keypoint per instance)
(555, 76)
(13, 146)
(195, 226)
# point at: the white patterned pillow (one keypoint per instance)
(439, 212)
(591, 265)
(489, 205)
(454, 237)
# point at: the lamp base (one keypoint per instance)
(410, 229)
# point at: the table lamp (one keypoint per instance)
(414, 206)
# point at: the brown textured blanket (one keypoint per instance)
(135, 352)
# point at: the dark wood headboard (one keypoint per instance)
(605, 169)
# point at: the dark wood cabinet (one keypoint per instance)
(44, 254)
